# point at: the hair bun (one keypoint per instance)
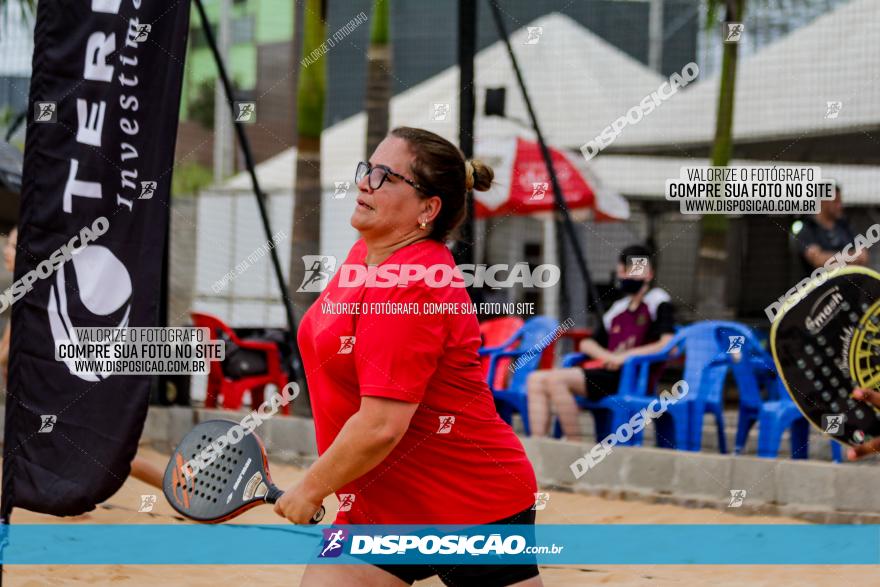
(477, 175)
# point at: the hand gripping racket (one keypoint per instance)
(826, 342)
(214, 476)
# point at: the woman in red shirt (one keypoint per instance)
(406, 426)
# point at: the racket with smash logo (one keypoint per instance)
(826, 342)
(214, 476)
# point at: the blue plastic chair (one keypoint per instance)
(611, 412)
(711, 396)
(682, 425)
(753, 369)
(530, 341)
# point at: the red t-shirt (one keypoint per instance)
(470, 470)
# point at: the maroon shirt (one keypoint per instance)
(625, 329)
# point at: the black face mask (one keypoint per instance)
(629, 286)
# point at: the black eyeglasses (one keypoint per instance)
(378, 173)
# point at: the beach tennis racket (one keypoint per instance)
(209, 485)
(826, 342)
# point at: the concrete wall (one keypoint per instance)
(816, 491)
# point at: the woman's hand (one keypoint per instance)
(614, 361)
(296, 506)
(872, 446)
(584, 346)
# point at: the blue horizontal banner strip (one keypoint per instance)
(560, 543)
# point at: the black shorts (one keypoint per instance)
(601, 383)
(472, 575)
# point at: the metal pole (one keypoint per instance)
(548, 161)
(261, 197)
(467, 43)
(223, 164)
(655, 36)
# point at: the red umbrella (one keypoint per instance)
(522, 183)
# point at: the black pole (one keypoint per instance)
(467, 44)
(558, 198)
(261, 197)
(467, 106)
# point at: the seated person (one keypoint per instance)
(825, 235)
(639, 323)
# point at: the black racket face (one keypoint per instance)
(219, 486)
(826, 345)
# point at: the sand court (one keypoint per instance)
(562, 508)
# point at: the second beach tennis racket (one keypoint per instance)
(216, 485)
(826, 342)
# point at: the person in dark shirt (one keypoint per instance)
(641, 322)
(826, 234)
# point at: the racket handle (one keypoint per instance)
(274, 494)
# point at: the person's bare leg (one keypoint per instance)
(562, 384)
(335, 575)
(539, 402)
(145, 471)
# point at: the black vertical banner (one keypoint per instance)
(104, 100)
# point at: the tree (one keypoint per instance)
(713, 228)
(379, 66)
(310, 98)
(722, 147)
(306, 237)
